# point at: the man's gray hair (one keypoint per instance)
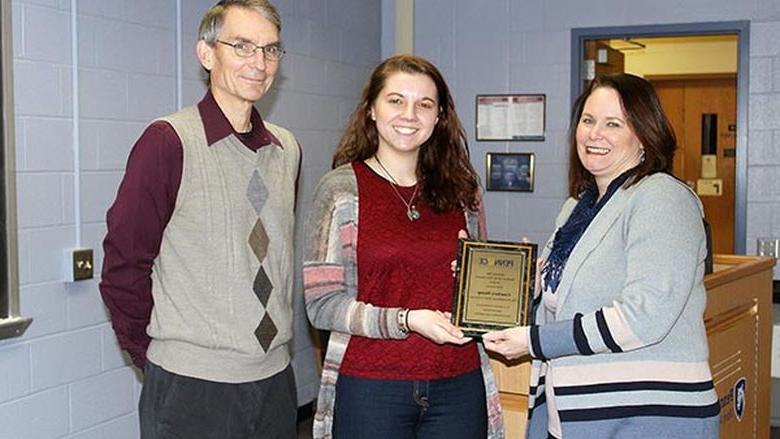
(211, 24)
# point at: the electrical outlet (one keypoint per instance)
(81, 264)
(768, 247)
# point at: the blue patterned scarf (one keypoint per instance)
(569, 234)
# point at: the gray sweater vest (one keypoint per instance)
(222, 282)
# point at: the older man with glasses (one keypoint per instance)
(198, 261)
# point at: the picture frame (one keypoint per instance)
(510, 171)
(510, 117)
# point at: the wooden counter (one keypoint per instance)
(739, 328)
(513, 380)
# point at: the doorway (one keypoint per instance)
(705, 97)
(702, 110)
(696, 80)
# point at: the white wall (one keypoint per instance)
(65, 378)
(524, 47)
(683, 56)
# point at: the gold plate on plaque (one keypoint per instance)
(494, 283)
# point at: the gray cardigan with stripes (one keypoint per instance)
(627, 342)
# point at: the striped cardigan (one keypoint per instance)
(627, 346)
(330, 289)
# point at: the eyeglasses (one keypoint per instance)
(245, 49)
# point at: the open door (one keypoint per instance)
(696, 80)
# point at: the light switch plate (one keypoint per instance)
(79, 264)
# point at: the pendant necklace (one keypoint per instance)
(411, 210)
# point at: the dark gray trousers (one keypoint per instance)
(175, 406)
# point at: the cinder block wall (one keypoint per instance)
(66, 377)
(524, 47)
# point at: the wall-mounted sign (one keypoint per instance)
(510, 117)
(510, 171)
(709, 187)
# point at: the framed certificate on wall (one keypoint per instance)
(507, 117)
(510, 171)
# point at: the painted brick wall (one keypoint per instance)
(66, 377)
(524, 46)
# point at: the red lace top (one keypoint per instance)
(404, 263)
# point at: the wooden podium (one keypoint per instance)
(513, 380)
(739, 329)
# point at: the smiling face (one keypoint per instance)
(606, 144)
(237, 83)
(405, 111)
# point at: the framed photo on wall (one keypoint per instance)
(510, 117)
(510, 171)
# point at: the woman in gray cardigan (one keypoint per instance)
(618, 343)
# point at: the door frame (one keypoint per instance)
(742, 30)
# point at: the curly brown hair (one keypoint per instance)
(447, 179)
(646, 118)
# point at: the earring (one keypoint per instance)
(642, 156)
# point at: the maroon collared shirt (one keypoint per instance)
(143, 206)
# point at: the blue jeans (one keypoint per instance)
(448, 408)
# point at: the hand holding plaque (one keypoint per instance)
(494, 283)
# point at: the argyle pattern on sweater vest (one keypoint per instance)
(222, 282)
(257, 194)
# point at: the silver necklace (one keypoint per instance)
(411, 210)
